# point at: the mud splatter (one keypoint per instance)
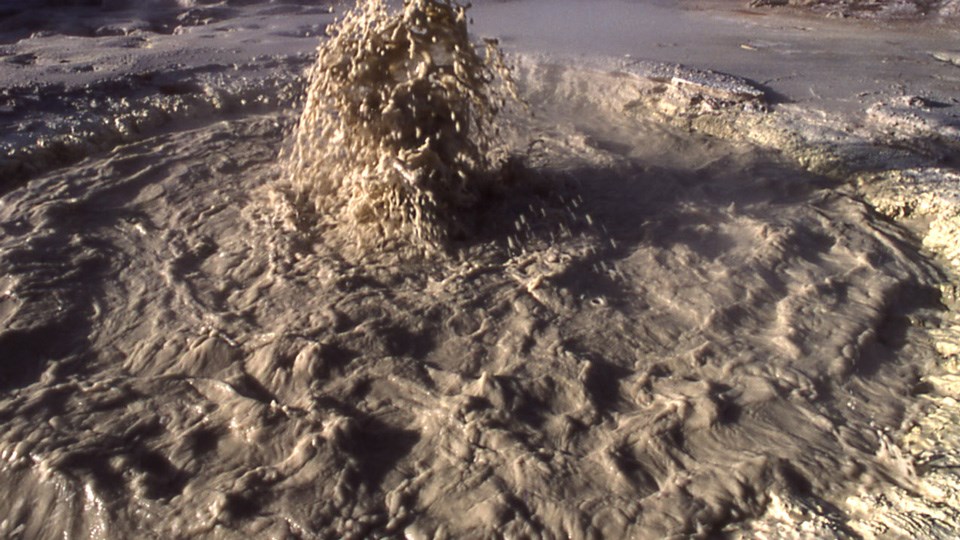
(398, 133)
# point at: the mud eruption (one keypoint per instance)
(397, 134)
(651, 333)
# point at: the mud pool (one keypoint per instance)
(652, 331)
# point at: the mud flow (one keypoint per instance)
(640, 332)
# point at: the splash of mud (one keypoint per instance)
(398, 133)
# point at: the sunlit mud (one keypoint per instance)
(648, 332)
(398, 132)
(654, 335)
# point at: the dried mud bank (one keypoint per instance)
(900, 158)
(79, 81)
(885, 10)
(42, 140)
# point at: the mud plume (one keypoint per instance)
(398, 136)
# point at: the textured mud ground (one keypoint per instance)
(728, 327)
(655, 332)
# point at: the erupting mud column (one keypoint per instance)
(398, 132)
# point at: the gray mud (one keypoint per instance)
(676, 330)
(691, 313)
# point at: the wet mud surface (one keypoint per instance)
(650, 331)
